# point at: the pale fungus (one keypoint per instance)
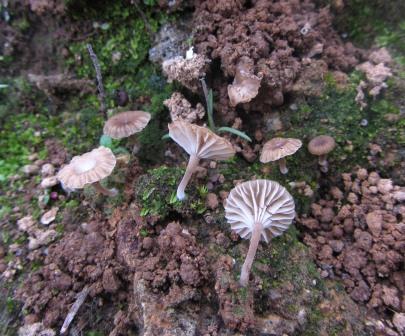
(321, 146)
(89, 169)
(200, 143)
(259, 209)
(277, 149)
(125, 124)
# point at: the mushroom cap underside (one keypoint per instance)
(125, 124)
(278, 148)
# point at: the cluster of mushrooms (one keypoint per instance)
(256, 210)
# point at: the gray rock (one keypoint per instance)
(170, 42)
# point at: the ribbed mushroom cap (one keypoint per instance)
(278, 148)
(88, 168)
(259, 201)
(200, 141)
(321, 145)
(125, 124)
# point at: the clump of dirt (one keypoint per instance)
(282, 39)
(180, 108)
(358, 234)
(84, 256)
(173, 258)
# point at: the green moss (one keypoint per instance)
(156, 193)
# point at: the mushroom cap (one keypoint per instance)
(245, 85)
(124, 124)
(260, 201)
(278, 148)
(200, 141)
(88, 168)
(321, 145)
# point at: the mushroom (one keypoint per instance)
(200, 143)
(89, 168)
(125, 124)
(245, 85)
(277, 149)
(321, 146)
(260, 209)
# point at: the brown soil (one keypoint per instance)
(286, 42)
(356, 233)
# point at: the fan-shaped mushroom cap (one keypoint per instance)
(88, 168)
(259, 201)
(278, 148)
(321, 145)
(200, 141)
(124, 124)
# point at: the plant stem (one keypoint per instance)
(191, 167)
(282, 163)
(210, 104)
(103, 190)
(254, 243)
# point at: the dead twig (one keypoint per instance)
(100, 87)
(81, 297)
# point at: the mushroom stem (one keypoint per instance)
(282, 163)
(102, 190)
(254, 243)
(191, 167)
(323, 163)
(322, 160)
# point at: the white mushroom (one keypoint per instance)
(200, 143)
(89, 168)
(125, 124)
(259, 209)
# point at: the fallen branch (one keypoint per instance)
(81, 297)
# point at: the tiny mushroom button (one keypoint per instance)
(277, 149)
(321, 146)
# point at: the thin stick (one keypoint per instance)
(81, 297)
(144, 18)
(100, 86)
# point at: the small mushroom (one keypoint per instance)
(200, 143)
(277, 149)
(321, 146)
(89, 168)
(125, 124)
(259, 209)
(245, 85)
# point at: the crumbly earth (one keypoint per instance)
(287, 42)
(357, 233)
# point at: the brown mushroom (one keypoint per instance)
(89, 168)
(125, 124)
(245, 85)
(200, 143)
(321, 146)
(259, 209)
(277, 149)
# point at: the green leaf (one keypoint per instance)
(166, 136)
(234, 131)
(120, 150)
(105, 141)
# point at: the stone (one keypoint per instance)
(399, 322)
(42, 238)
(47, 170)
(49, 182)
(212, 201)
(374, 222)
(30, 169)
(26, 224)
(49, 216)
(35, 329)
